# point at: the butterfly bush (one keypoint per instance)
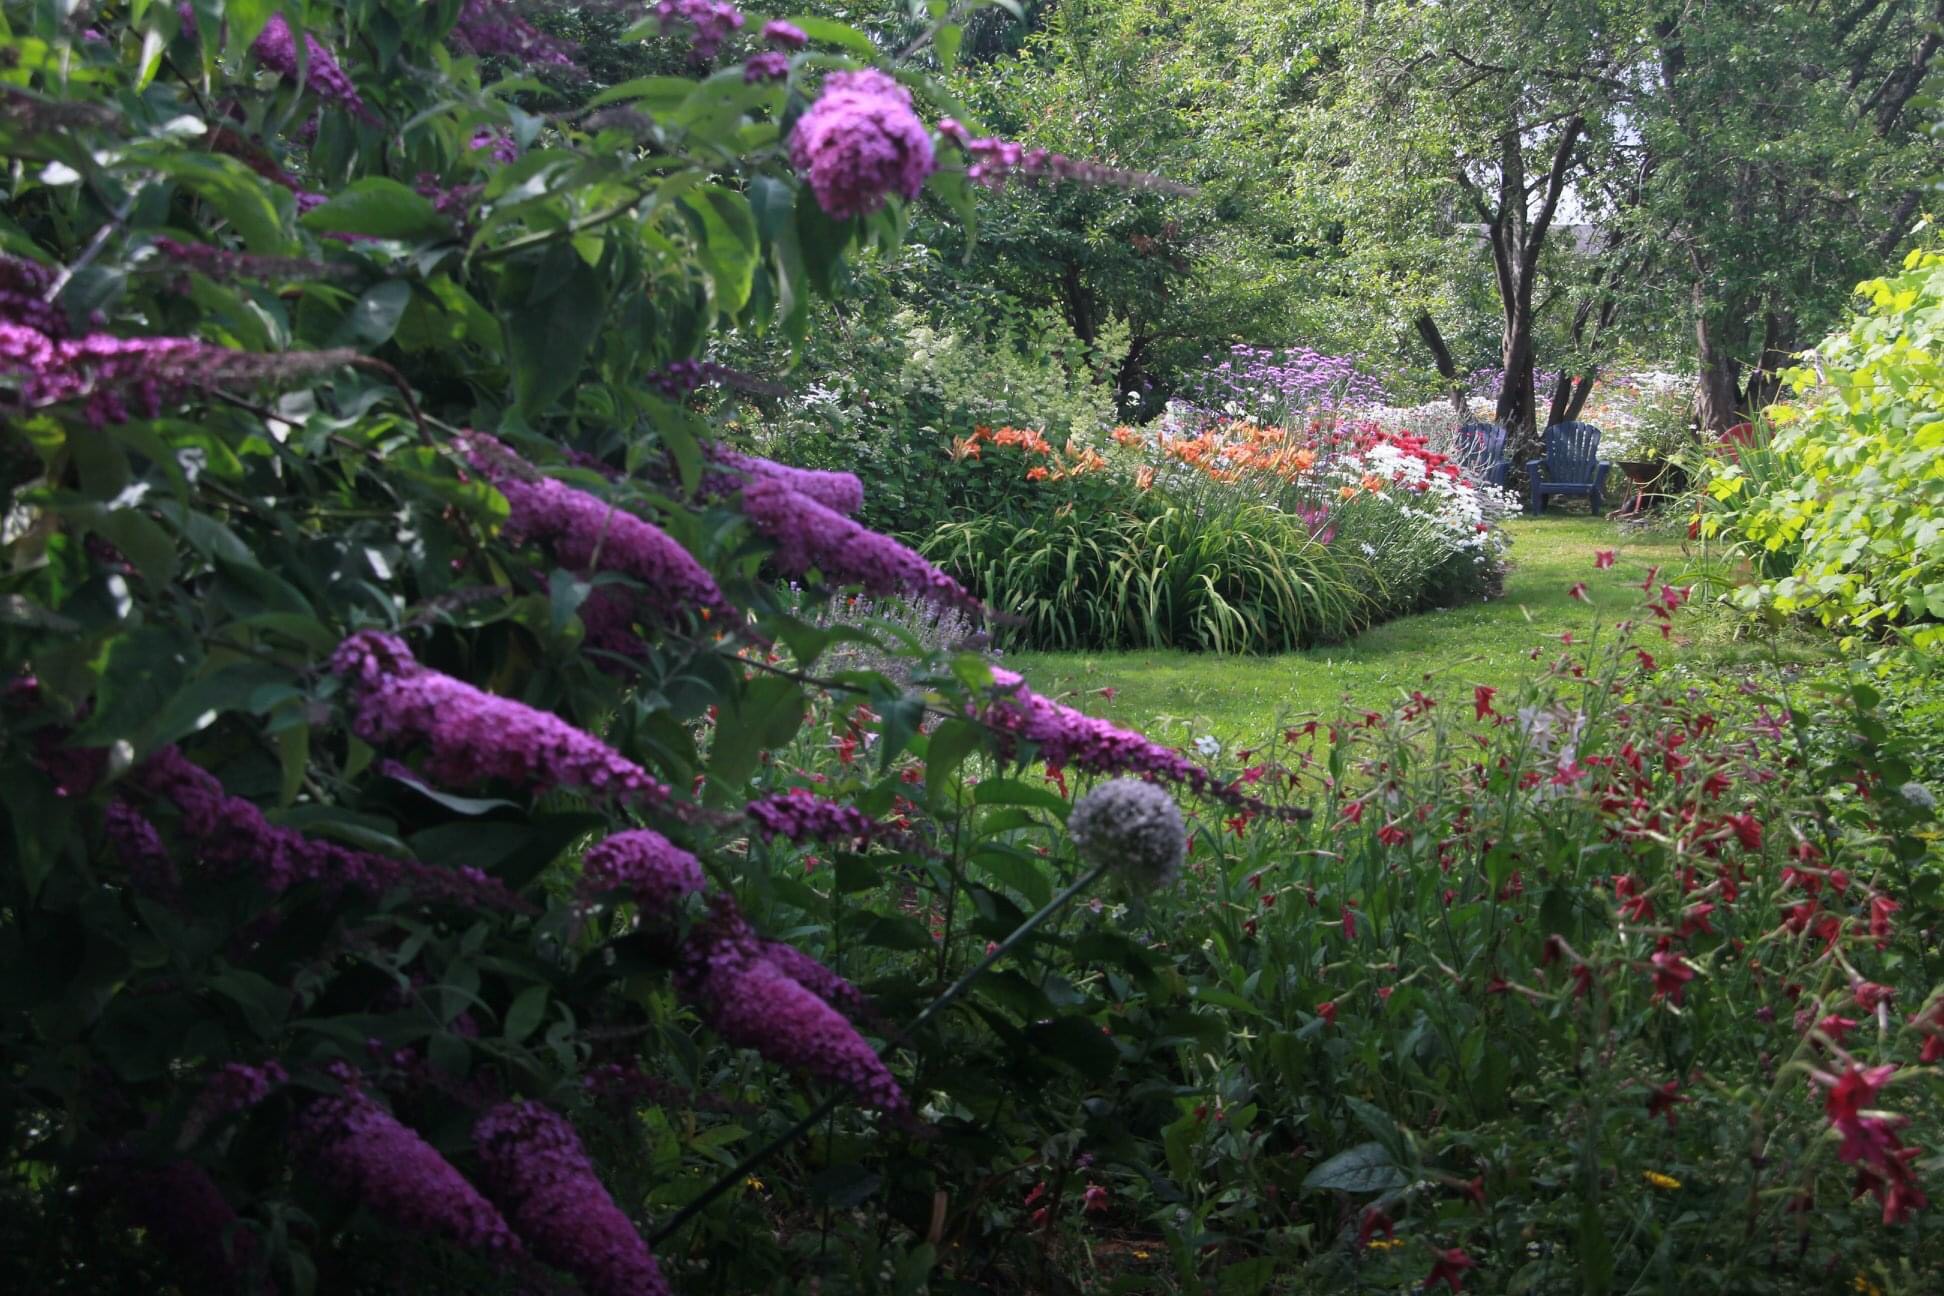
(800, 815)
(276, 48)
(181, 1206)
(995, 161)
(495, 27)
(840, 492)
(861, 142)
(470, 735)
(362, 1151)
(810, 535)
(711, 21)
(535, 1167)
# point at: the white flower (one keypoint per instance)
(1133, 827)
(1208, 747)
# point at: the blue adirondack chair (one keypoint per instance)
(1571, 466)
(1481, 449)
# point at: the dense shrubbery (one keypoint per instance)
(1842, 507)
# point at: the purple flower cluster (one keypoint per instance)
(231, 834)
(753, 1001)
(586, 533)
(769, 65)
(488, 27)
(642, 862)
(276, 49)
(472, 735)
(1488, 383)
(816, 978)
(995, 161)
(182, 1208)
(363, 1152)
(221, 263)
(235, 1087)
(784, 35)
(150, 870)
(1064, 736)
(839, 491)
(104, 371)
(681, 377)
(859, 142)
(713, 20)
(800, 815)
(1270, 381)
(497, 144)
(811, 535)
(535, 1166)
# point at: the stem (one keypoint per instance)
(748, 1164)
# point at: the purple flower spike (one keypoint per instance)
(750, 1001)
(799, 815)
(183, 1209)
(840, 491)
(808, 534)
(642, 861)
(815, 977)
(487, 27)
(587, 533)
(713, 21)
(535, 1166)
(471, 735)
(861, 142)
(230, 834)
(365, 1153)
(276, 49)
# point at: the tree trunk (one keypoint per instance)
(1516, 412)
(1441, 356)
(1717, 390)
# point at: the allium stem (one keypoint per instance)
(744, 1168)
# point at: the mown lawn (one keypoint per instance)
(1175, 694)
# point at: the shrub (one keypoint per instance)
(1843, 509)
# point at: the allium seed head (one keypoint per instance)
(1133, 828)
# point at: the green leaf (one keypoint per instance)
(370, 323)
(528, 1010)
(1365, 1168)
(836, 33)
(1014, 793)
(378, 208)
(949, 38)
(469, 806)
(547, 336)
(764, 716)
(1077, 1042)
(1246, 1277)
(728, 244)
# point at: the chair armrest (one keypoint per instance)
(1532, 468)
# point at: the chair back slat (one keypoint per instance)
(1481, 446)
(1572, 452)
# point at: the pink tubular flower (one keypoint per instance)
(1448, 1266)
(1603, 558)
(860, 142)
(753, 1003)
(1871, 1142)
(362, 1151)
(276, 49)
(1671, 975)
(472, 735)
(995, 161)
(808, 534)
(800, 815)
(784, 35)
(536, 1168)
(586, 533)
(656, 871)
(231, 834)
(841, 492)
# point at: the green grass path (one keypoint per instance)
(1174, 694)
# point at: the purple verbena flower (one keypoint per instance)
(800, 815)
(470, 735)
(769, 65)
(809, 534)
(752, 1002)
(784, 35)
(362, 1151)
(535, 1166)
(586, 533)
(859, 142)
(487, 27)
(840, 491)
(712, 21)
(642, 862)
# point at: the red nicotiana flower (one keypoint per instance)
(1578, 591)
(1671, 975)
(1663, 1099)
(1094, 1199)
(1374, 1221)
(1349, 920)
(1881, 907)
(1448, 1266)
(1327, 1011)
(1837, 1027)
(1482, 696)
(1602, 558)
(1869, 994)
